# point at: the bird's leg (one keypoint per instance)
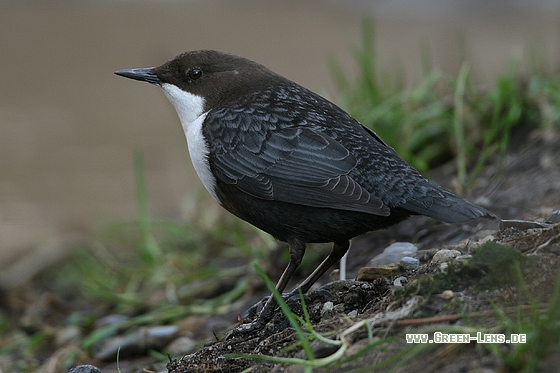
(297, 250)
(264, 315)
(338, 250)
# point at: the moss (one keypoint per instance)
(492, 266)
(453, 278)
(501, 264)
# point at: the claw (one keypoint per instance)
(255, 310)
(246, 331)
(261, 312)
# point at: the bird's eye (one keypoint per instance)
(194, 74)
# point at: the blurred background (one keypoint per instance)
(69, 127)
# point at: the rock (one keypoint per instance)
(138, 343)
(443, 266)
(554, 216)
(463, 258)
(322, 349)
(67, 334)
(445, 256)
(84, 369)
(327, 311)
(181, 346)
(447, 294)
(372, 273)
(339, 308)
(399, 280)
(407, 263)
(110, 320)
(192, 324)
(393, 254)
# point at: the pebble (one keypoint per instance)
(393, 254)
(322, 349)
(447, 294)
(152, 338)
(399, 281)
(67, 335)
(192, 324)
(84, 369)
(110, 320)
(328, 310)
(463, 258)
(182, 346)
(339, 308)
(372, 273)
(352, 314)
(445, 256)
(554, 216)
(158, 333)
(408, 263)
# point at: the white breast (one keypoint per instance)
(190, 110)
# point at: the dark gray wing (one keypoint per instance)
(289, 164)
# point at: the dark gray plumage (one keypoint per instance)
(289, 161)
(287, 144)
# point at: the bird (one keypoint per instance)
(290, 162)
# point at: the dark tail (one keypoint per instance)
(445, 206)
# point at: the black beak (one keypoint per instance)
(145, 75)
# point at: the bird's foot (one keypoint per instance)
(261, 313)
(246, 331)
(256, 309)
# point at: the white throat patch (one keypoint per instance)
(190, 109)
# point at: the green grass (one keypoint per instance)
(541, 328)
(158, 271)
(427, 128)
(150, 263)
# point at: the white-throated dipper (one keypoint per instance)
(289, 161)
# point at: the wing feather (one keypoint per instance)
(294, 164)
